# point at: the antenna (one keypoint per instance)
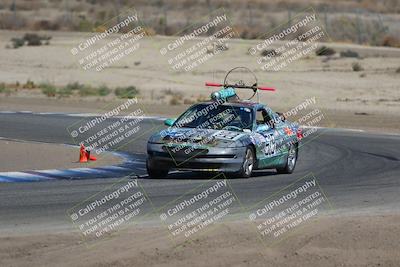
(240, 84)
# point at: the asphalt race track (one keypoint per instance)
(358, 172)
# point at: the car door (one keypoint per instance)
(280, 136)
(268, 134)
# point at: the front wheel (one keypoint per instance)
(248, 164)
(291, 160)
(155, 173)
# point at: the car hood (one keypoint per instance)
(198, 137)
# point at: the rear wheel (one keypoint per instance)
(248, 163)
(291, 160)
(155, 172)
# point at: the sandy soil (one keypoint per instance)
(368, 99)
(19, 156)
(324, 241)
(332, 82)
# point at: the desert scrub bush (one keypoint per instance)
(269, 53)
(175, 101)
(325, 51)
(215, 47)
(126, 92)
(2, 87)
(173, 93)
(87, 90)
(84, 26)
(391, 41)
(202, 98)
(74, 86)
(48, 89)
(187, 101)
(17, 42)
(398, 70)
(176, 97)
(64, 92)
(33, 39)
(47, 24)
(357, 67)
(29, 85)
(103, 90)
(30, 39)
(149, 31)
(168, 91)
(247, 32)
(349, 53)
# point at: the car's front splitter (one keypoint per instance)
(210, 159)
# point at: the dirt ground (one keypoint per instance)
(330, 80)
(324, 241)
(366, 99)
(19, 156)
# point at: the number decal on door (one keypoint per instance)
(270, 145)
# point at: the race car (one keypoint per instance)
(225, 134)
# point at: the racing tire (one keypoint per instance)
(248, 164)
(290, 161)
(155, 173)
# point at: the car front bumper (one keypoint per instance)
(186, 158)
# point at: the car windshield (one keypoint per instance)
(219, 117)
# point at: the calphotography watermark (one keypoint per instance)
(118, 126)
(289, 130)
(109, 210)
(311, 119)
(199, 209)
(204, 129)
(199, 42)
(289, 42)
(282, 213)
(111, 42)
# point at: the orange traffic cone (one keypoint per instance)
(82, 154)
(90, 157)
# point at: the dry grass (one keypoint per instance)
(250, 19)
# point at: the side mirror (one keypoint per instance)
(262, 128)
(169, 122)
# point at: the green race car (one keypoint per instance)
(227, 135)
